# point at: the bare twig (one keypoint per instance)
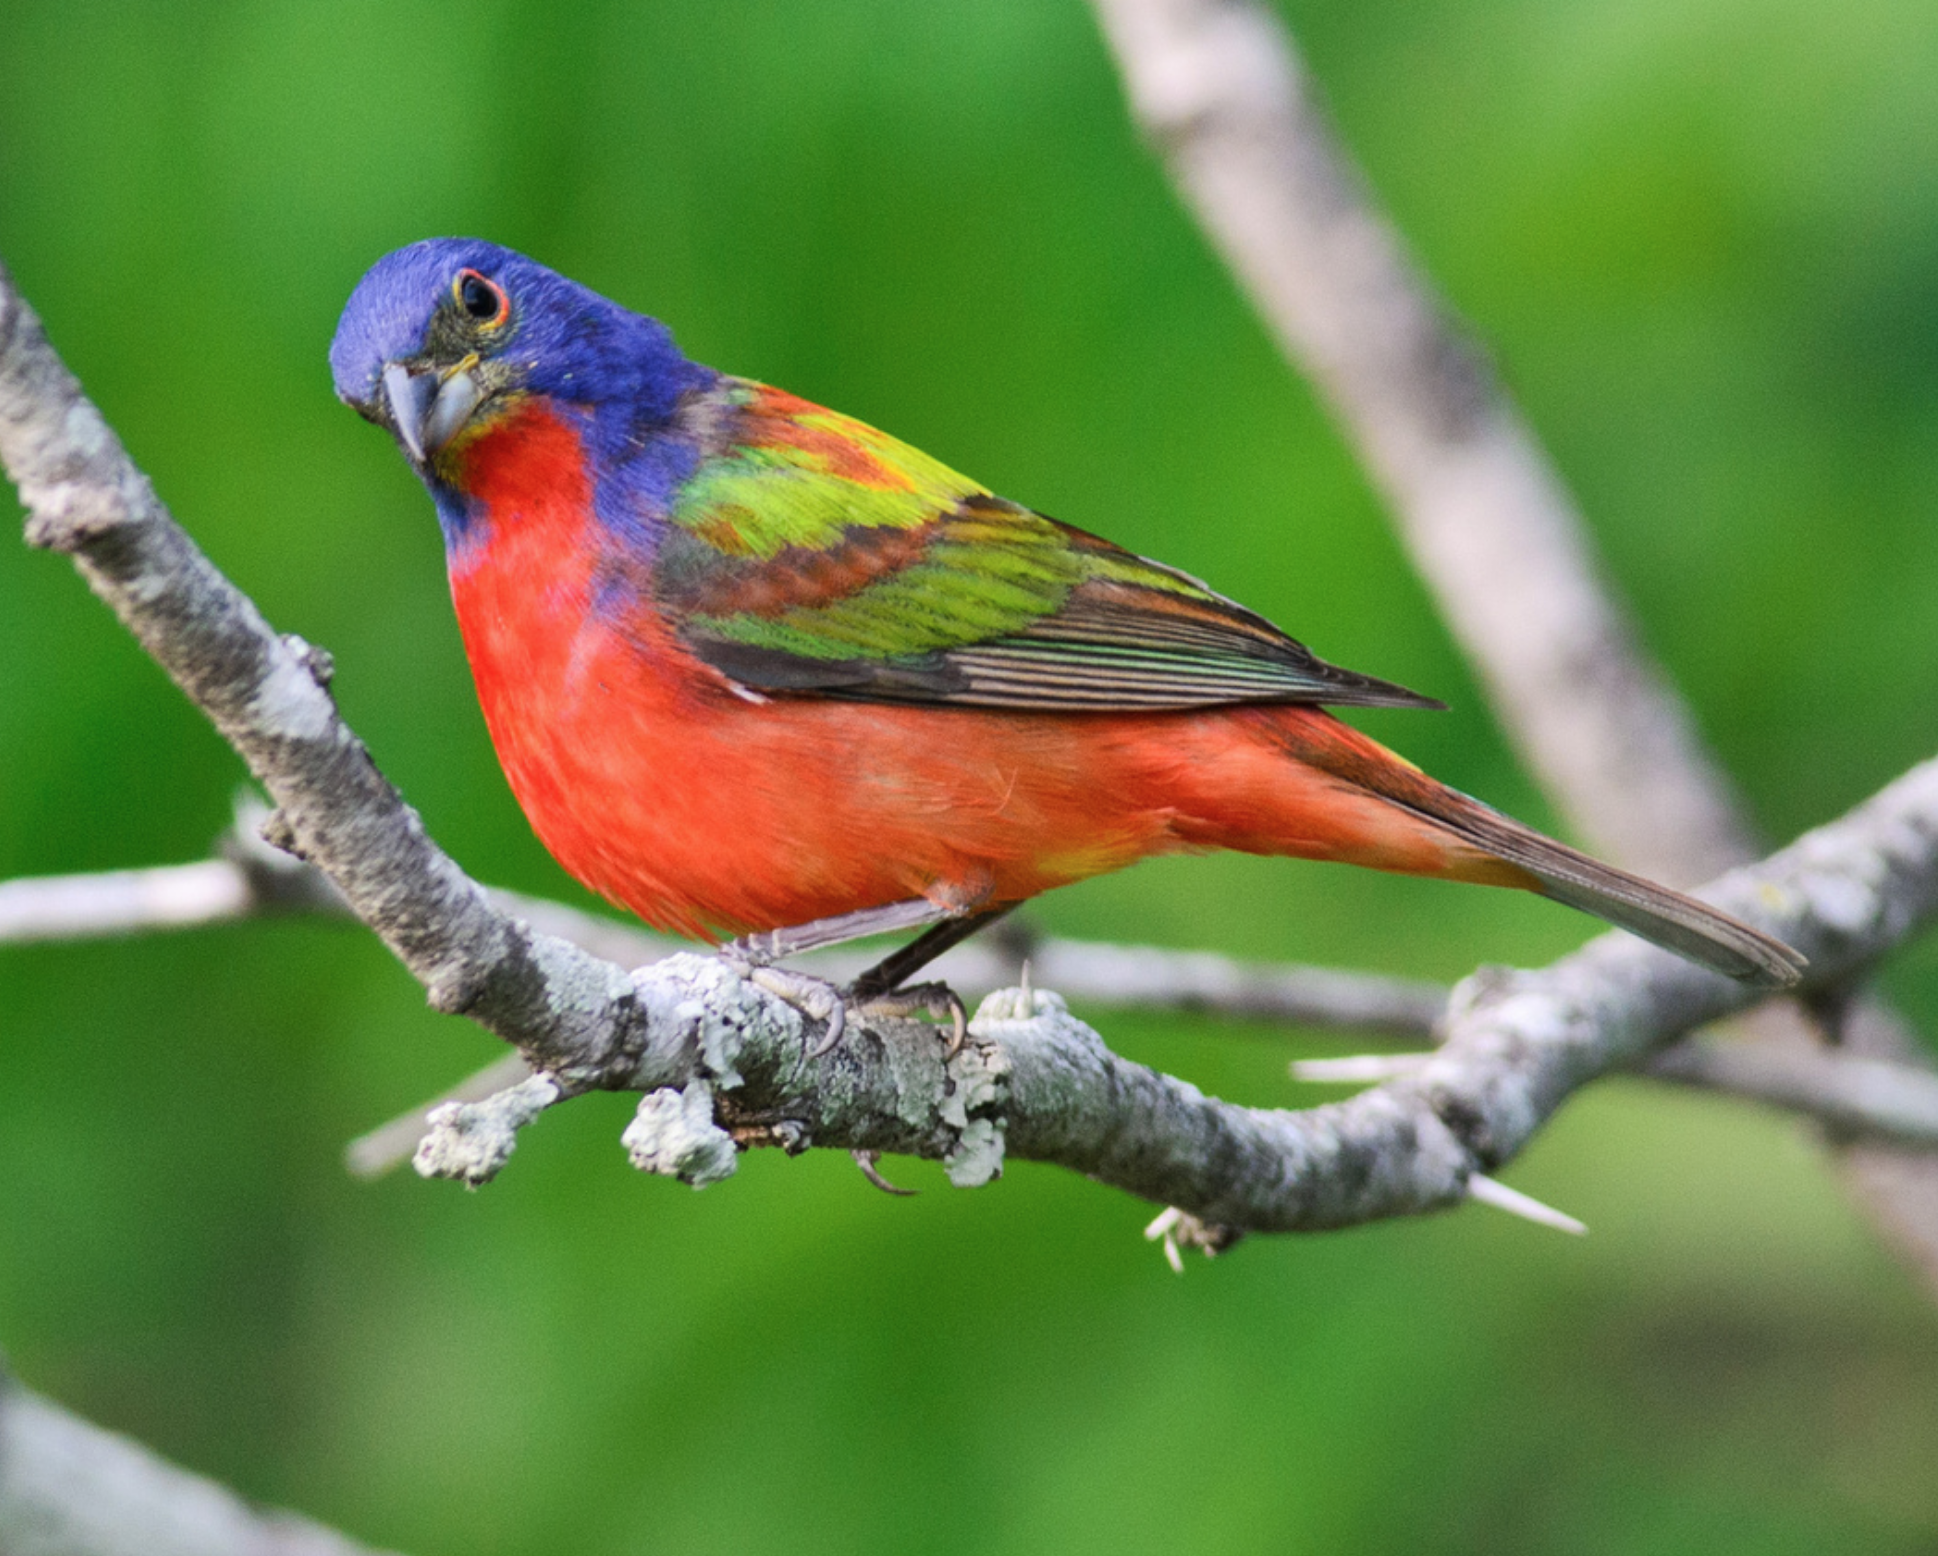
(1859, 1097)
(210, 891)
(1041, 1085)
(248, 879)
(120, 902)
(1862, 1097)
(69, 1488)
(1484, 1190)
(1151, 976)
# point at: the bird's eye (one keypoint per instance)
(483, 301)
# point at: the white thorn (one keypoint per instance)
(1515, 1203)
(1355, 1068)
(1161, 1230)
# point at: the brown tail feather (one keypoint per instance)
(1667, 918)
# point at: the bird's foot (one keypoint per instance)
(815, 998)
(918, 999)
(752, 957)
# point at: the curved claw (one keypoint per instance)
(925, 999)
(958, 1021)
(837, 1026)
(866, 1161)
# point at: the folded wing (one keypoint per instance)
(812, 555)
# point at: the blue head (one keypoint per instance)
(448, 334)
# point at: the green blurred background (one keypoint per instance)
(1701, 237)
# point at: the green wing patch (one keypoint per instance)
(817, 556)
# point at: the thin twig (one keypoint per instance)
(1484, 1190)
(123, 902)
(1518, 1044)
(211, 891)
(1859, 1097)
(1866, 1098)
(1853, 1097)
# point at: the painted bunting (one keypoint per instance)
(751, 665)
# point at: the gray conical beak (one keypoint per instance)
(411, 396)
(427, 410)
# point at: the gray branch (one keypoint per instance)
(1035, 1083)
(70, 1488)
(1862, 1098)
(122, 902)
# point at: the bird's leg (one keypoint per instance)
(884, 989)
(944, 932)
(773, 944)
(867, 1161)
(753, 957)
(878, 991)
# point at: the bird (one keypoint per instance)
(762, 674)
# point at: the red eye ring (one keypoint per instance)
(481, 299)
